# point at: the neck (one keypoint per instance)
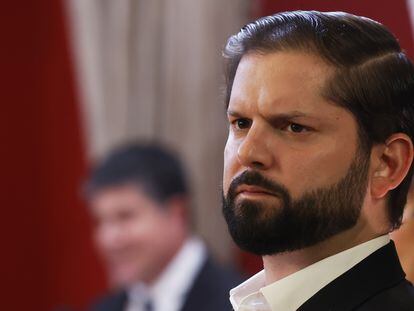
(281, 265)
(176, 245)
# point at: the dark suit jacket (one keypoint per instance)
(209, 292)
(375, 284)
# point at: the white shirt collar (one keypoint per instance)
(284, 294)
(169, 290)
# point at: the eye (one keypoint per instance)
(241, 124)
(296, 128)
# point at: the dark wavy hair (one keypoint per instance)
(373, 78)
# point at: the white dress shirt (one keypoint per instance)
(289, 293)
(169, 291)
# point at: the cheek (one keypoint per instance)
(151, 230)
(140, 230)
(316, 169)
(109, 239)
(231, 164)
(99, 240)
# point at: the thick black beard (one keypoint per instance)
(293, 225)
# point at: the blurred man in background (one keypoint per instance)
(139, 200)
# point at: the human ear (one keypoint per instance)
(392, 160)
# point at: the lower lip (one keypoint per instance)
(255, 194)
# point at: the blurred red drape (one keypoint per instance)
(393, 14)
(47, 259)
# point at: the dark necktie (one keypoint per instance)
(148, 306)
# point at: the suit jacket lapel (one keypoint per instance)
(114, 302)
(196, 296)
(210, 289)
(375, 273)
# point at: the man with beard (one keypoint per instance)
(318, 161)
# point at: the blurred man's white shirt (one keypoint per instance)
(169, 291)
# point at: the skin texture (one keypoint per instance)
(281, 126)
(136, 235)
(266, 88)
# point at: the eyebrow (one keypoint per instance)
(276, 117)
(233, 113)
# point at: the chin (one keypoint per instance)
(125, 276)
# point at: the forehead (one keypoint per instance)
(294, 78)
(116, 197)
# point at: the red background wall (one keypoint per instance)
(46, 257)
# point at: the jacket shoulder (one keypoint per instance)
(399, 298)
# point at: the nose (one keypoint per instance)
(109, 236)
(255, 150)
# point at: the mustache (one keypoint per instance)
(254, 178)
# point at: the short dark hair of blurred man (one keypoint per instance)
(139, 200)
(318, 161)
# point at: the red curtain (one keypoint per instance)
(47, 259)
